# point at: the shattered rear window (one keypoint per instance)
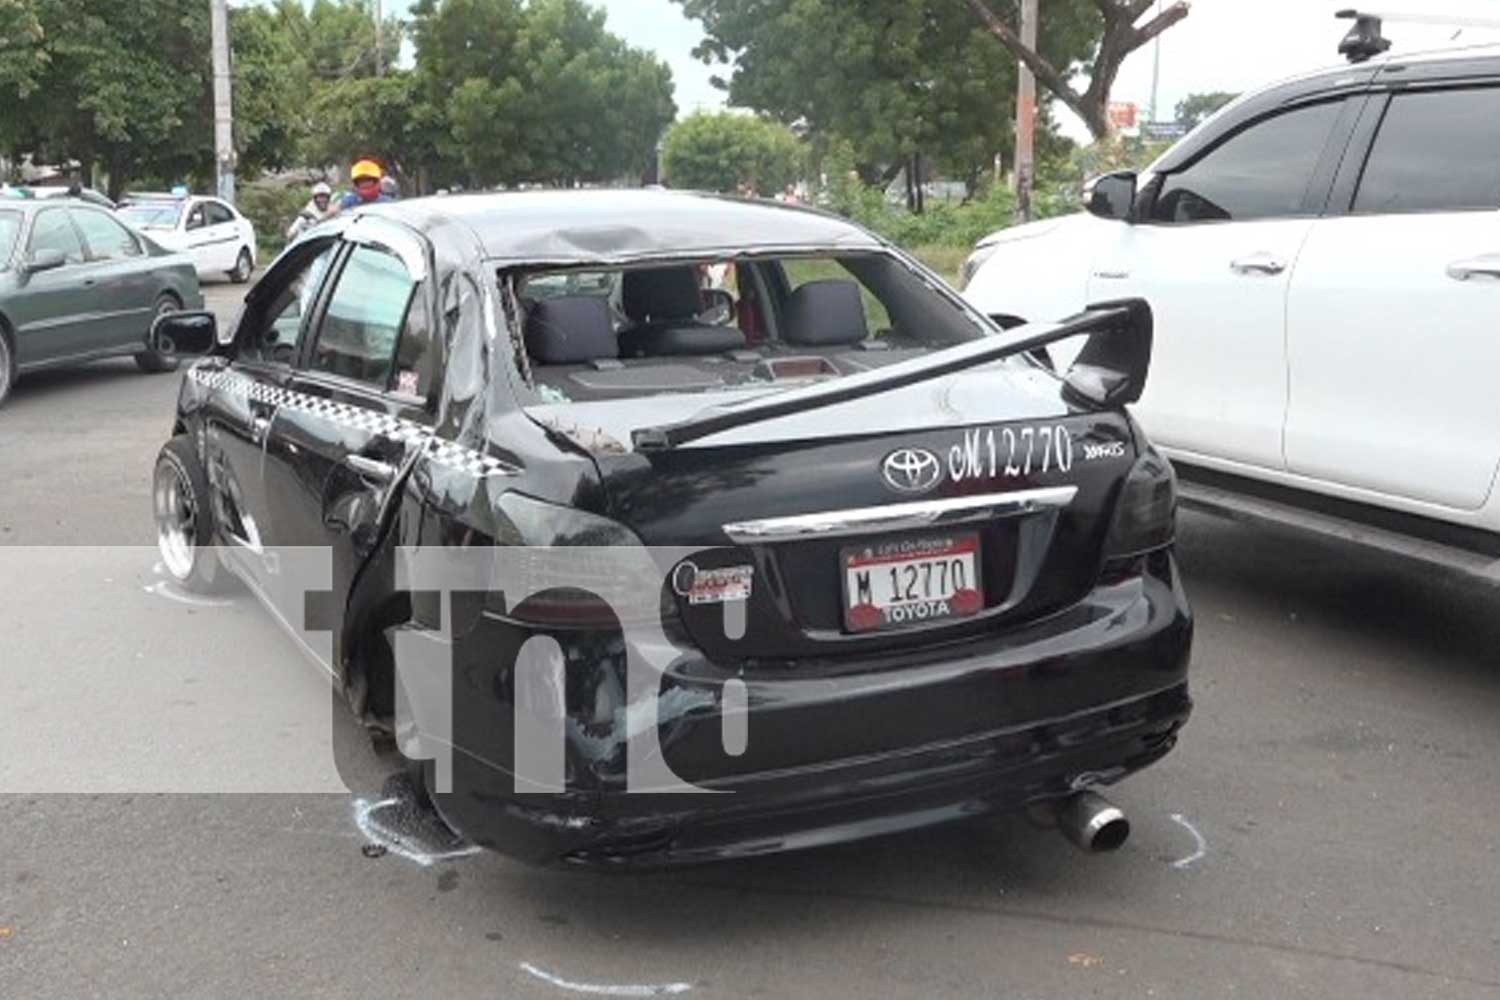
(722, 325)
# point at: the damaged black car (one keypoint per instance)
(662, 528)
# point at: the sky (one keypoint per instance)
(1232, 45)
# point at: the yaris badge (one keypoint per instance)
(911, 470)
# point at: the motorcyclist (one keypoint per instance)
(318, 208)
(366, 176)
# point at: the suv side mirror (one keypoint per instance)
(1112, 195)
(185, 333)
(45, 259)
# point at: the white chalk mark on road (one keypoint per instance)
(606, 989)
(162, 588)
(376, 833)
(1201, 849)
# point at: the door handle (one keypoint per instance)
(372, 470)
(1258, 263)
(1484, 266)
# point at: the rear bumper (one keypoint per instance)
(1082, 698)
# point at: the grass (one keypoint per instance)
(945, 260)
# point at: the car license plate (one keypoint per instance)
(911, 581)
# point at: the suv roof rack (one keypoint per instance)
(1365, 41)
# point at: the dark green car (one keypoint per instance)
(77, 285)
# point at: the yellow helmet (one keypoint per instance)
(366, 168)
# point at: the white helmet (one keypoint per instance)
(321, 188)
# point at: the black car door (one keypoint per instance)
(243, 397)
(358, 404)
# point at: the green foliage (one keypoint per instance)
(271, 206)
(724, 151)
(1193, 108)
(537, 92)
(891, 78)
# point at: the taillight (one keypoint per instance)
(1145, 516)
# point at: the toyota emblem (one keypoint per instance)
(911, 470)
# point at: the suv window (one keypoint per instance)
(358, 336)
(1437, 151)
(53, 230)
(217, 213)
(1260, 173)
(107, 239)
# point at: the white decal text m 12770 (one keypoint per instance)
(1010, 451)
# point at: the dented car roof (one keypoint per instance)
(594, 226)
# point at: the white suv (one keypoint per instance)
(1323, 261)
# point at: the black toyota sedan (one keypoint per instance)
(664, 527)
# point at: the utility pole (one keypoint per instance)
(1026, 116)
(379, 47)
(1155, 67)
(223, 101)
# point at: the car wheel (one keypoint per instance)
(243, 266)
(7, 366)
(184, 519)
(151, 360)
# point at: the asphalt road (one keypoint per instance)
(1326, 828)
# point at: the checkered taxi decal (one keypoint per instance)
(448, 454)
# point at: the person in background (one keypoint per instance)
(366, 176)
(318, 208)
(389, 189)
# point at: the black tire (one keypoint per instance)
(151, 361)
(7, 364)
(243, 267)
(185, 521)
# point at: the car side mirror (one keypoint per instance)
(194, 222)
(45, 259)
(186, 333)
(1112, 195)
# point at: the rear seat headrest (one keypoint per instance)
(821, 313)
(570, 330)
(662, 293)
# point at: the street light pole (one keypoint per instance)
(223, 101)
(1026, 116)
(1155, 67)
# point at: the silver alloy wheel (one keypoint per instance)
(176, 519)
(4, 365)
(242, 268)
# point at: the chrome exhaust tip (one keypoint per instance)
(1093, 822)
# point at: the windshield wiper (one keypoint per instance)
(970, 354)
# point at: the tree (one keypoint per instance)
(1118, 37)
(897, 80)
(1193, 108)
(539, 92)
(721, 151)
(122, 85)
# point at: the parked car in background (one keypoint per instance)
(77, 285)
(44, 191)
(218, 238)
(951, 568)
(1322, 258)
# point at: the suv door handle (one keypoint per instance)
(372, 470)
(1484, 266)
(1258, 263)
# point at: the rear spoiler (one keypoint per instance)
(1110, 371)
